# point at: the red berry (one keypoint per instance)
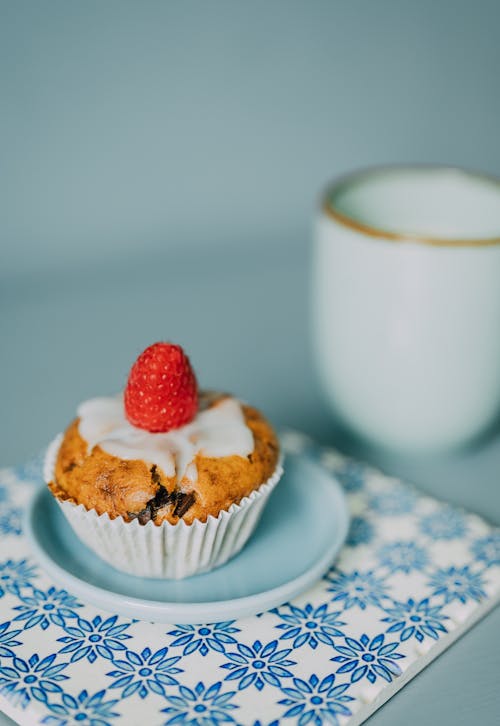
(161, 392)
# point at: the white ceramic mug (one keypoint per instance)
(406, 304)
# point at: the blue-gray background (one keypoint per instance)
(128, 126)
(159, 167)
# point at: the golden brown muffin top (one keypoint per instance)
(134, 489)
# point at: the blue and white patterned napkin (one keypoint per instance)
(415, 574)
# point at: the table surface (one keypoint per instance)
(243, 317)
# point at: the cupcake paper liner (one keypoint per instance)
(166, 550)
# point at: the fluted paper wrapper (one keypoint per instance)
(166, 550)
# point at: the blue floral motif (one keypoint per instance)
(447, 523)
(22, 680)
(203, 638)
(361, 532)
(31, 471)
(15, 574)
(316, 702)
(398, 500)
(487, 549)
(258, 665)
(402, 593)
(351, 475)
(414, 619)
(145, 672)
(8, 638)
(90, 638)
(309, 625)
(200, 706)
(42, 607)
(84, 709)
(10, 521)
(356, 588)
(403, 557)
(365, 658)
(457, 583)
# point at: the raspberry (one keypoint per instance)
(161, 392)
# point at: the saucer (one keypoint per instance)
(301, 532)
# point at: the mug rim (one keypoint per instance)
(346, 220)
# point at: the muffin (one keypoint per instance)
(164, 481)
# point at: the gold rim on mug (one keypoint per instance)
(335, 187)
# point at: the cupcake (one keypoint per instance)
(163, 480)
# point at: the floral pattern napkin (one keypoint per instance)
(413, 576)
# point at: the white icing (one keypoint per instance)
(219, 431)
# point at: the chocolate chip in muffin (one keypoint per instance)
(155, 477)
(161, 499)
(144, 516)
(181, 501)
(185, 501)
